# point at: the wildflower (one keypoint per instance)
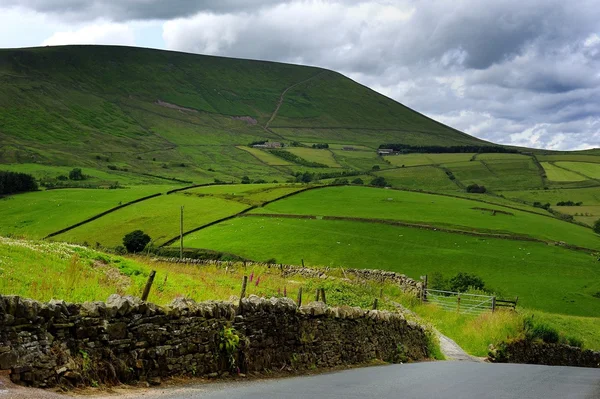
(257, 281)
(251, 276)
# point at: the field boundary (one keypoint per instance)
(98, 216)
(241, 213)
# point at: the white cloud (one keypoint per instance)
(513, 72)
(97, 33)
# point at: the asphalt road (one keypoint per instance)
(456, 380)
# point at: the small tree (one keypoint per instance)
(136, 241)
(245, 180)
(76, 174)
(463, 282)
(379, 182)
(597, 226)
(358, 180)
(375, 167)
(476, 188)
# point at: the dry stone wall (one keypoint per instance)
(405, 283)
(528, 352)
(125, 339)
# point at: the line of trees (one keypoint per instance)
(13, 182)
(438, 149)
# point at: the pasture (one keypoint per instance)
(37, 214)
(434, 210)
(558, 174)
(157, 217)
(419, 178)
(322, 156)
(590, 170)
(548, 278)
(265, 156)
(498, 174)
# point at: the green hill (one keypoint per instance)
(149, 111)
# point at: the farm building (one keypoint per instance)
(268, 144)
(348, 148)
(385, 151)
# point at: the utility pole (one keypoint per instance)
(181, 234)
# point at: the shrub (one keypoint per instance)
(245, 180)
(463, 282)
(111, 167)
(340, 181)
(597, 226)
(574, 341)
(538, 204)
(476, 188)
(12, 182)
(358, 180)
(76, 174)
(136, 241)
(376, 167)
(546, 333)
(379, 182)
(260, 181)
(320, 146)
(288, 156)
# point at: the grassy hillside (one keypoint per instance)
(150, 111)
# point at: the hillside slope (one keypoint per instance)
(152, 111)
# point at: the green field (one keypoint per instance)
(498, 174)
(569, 157)
(265, 156)
(589, 196)
(435, 210)
(556, 173)
(427, 159)
(250, 194)
(591, 170)
(158, 217)
(536, 272)
(37, 214)
(322, 156)
(419, 178)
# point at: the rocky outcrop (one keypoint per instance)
(125, 339)
(529, 352)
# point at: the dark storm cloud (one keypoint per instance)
(124, 10)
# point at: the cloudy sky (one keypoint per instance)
(523, 72)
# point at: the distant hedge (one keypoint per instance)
(12, 182)
(436, 149)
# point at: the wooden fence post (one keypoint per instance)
(243, 293)
(317, 296)
(493, 304)
(302, 262)
(375, 304)
(458, 303)
(323, 296)
(299, 301)
(148, 285)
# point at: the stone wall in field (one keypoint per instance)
(528, 352)
(125, 339)
(405, 283)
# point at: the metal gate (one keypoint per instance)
(459, 302)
